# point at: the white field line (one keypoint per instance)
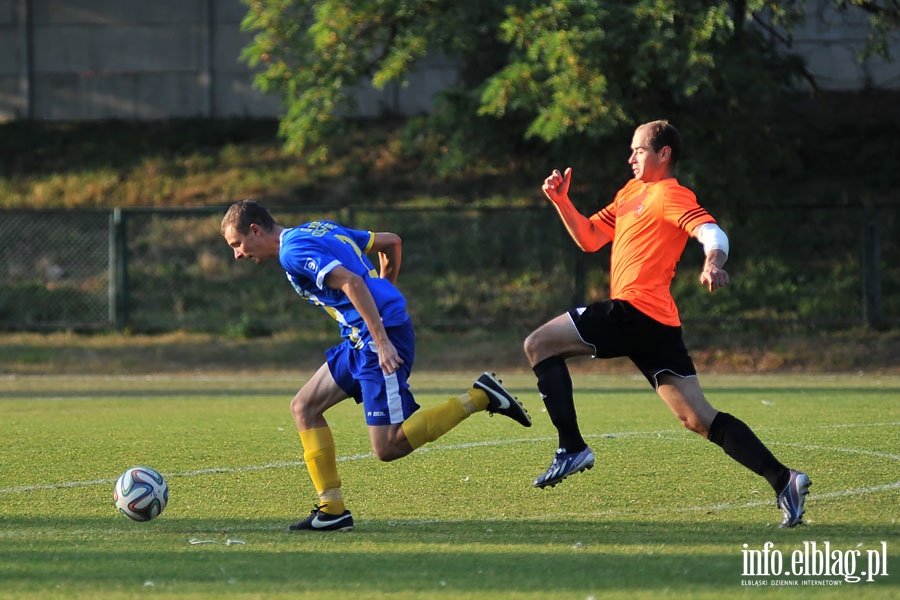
(667, 510)
(667, 434)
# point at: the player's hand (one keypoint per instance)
(388, 358)
(556, 186)
(713, 277)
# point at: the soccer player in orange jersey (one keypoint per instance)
(648, 223)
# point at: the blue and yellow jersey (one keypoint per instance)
(311, 251)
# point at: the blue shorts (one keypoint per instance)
(385, 398)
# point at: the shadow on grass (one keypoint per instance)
(489, 558)
(212, 392)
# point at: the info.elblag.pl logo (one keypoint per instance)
(814, 563)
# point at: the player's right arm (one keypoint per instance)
(359, 295)
(584, 231)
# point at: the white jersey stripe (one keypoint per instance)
(394, 402)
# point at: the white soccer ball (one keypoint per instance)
(141, 494)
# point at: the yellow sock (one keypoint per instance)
(479, 399)
(321, 462)
(430, 424)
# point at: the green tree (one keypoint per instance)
(533, 76)
(315, 54)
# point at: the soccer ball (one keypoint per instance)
(141, 494)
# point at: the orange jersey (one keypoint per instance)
(649, 224)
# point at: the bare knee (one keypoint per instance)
(687, 402)
(295, 405)
(693, 423)
(298, 407)
(389, 443)
(387, 454)
(307, 414)
(533, 349)
(557, 337)
(390, 452)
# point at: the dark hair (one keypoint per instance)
(244, 212)
(663, 133)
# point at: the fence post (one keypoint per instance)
(871, 278)
(25, 26)
(118, 270)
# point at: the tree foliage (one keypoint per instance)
(884, 17)
(582, 66)
(315, 54)
(532, 76)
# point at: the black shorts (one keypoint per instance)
(615, 328)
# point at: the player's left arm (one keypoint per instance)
(354, 286)
(389, 247)
(715, 247)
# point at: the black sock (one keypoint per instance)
(740, 443)
(555, 385)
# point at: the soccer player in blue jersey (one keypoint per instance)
(327, 264)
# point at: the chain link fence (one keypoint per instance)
(54, 269)
(154, 270)
(461, 269)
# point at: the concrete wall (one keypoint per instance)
(830, 41)
(153, 59)
(13, 88)
(148, 59)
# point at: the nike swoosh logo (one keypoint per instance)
(504, 403)
(318, 523)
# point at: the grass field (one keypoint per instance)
(663, 514)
